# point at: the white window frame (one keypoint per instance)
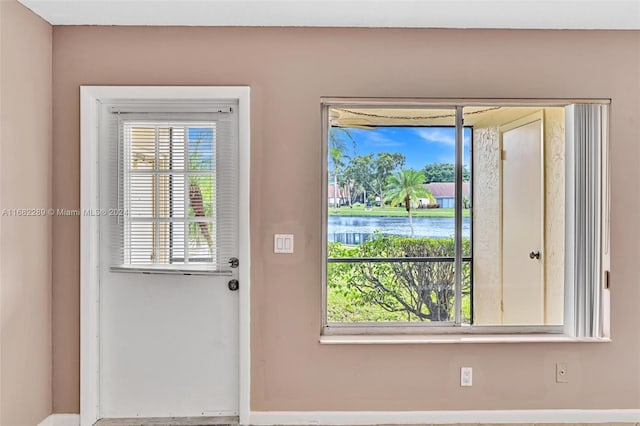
(391, 333)
(90, 98)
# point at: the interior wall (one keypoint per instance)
(487, 271)
(554, 245)
(487, 248)
(288, 71)
(25, 242)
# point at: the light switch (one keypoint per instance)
(466, 376)
(283, 243)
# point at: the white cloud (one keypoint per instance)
(436, 136)
(439, 136)
(375, 138)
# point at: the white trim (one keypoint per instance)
(441, 417)
(90, 96)
(89, 249)
(244, 223)
(61, 420)
(412, 417)
(529, 14)
(454, 338)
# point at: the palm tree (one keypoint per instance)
(405, 186)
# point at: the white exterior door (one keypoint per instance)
(168, 346)
(168, 341)
(522, 224)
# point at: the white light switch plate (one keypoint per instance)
(283, 243)
(466, 376)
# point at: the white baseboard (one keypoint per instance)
(61, 420)
(441, 417)
(412, 417)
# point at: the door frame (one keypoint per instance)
(523, 121)
(90, 98)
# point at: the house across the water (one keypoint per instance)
(444, 193)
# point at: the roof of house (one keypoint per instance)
(446, 189)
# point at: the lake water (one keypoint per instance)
(357, 229)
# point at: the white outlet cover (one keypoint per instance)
(283, 243)
(466, 376)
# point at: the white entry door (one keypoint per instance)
(168, 320)
(168, 346)
(522, 224)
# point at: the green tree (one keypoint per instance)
(368, 173)
(406, 186)
(358, 173)
(443, 172)
(384, 165)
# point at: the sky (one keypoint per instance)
(201, 144)
(420, 145)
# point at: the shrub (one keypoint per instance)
(398, 291)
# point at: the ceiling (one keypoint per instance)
(515, 14)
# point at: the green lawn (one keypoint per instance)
(392, 211)
(341, 309)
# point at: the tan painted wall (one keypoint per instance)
(288, 71)
(25, 242)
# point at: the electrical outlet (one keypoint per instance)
(466, 376)
(562, 372)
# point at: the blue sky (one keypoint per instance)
(201, 144)
(420, 145)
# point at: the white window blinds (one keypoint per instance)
(177, 191)
(588, 210)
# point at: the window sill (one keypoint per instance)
(177, 270)
(454, 338)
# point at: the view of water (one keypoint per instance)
(357, 229)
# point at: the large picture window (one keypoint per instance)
(464, 216)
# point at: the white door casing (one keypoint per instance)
(522, 222)
(159, 345)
